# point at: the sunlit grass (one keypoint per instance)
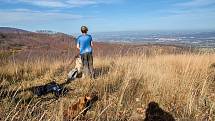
(181, 84)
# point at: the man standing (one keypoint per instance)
(84, 44)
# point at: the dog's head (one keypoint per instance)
(88, 101)
(84, 104)
(88, 98)
(93, 96)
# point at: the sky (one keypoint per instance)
(108, 15)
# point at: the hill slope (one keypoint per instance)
(12, 30)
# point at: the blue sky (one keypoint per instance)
(108, 15)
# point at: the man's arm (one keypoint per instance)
(77, 42)
(91, 43)
(78, 46)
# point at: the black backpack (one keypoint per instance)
(51, 87)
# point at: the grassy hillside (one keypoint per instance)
(182, 84)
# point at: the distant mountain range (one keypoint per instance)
(203, 39)
(12, 30)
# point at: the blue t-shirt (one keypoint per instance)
(84, 42)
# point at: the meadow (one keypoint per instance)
(182, 84)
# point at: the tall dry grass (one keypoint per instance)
(182, 85)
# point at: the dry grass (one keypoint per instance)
(181, 84)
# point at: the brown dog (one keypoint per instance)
(81, 107)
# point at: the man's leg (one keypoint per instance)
(85, 63)
(90, 64)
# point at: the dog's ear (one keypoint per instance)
(88, 98)
(77, 56)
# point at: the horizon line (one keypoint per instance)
(111, 31)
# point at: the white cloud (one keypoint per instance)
(61, 3)
(45, 3)
(197, 3)
(26, 16)
(79, 3)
